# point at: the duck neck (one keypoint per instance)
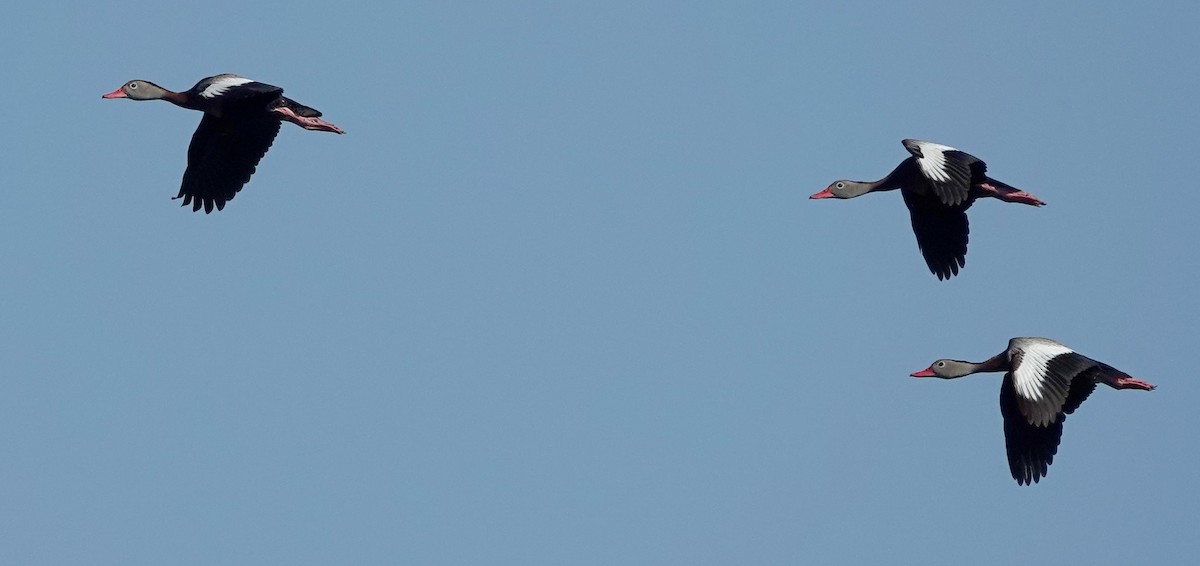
(180, 99)
(893, 180)
(999, 362)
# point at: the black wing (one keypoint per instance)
(224, 153)
(1081, 387)
(1066, 381)
(947, 172)
(1031, 449)
(236, 92)
(941, 232)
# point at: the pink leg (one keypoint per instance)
(1131, 383)
(306, 122)
(1009, 194)
(1023, 198)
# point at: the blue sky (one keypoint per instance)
(559, 297)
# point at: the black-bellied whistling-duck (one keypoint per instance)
(1045, 382)
(938, 183)
(241, 119)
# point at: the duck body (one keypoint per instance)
(1044, 382)
(939, 183)
(241, 119)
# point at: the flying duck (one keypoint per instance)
(938, 183)
(241, 119)
(1044, 382)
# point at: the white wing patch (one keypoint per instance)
(1029, 379)
(933, 160)
(219, 86)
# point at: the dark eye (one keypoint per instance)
(132, 86)
(941, 364)
(840, 184)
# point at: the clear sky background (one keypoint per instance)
(559, 297)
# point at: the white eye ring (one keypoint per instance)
(132, 86)
(840, 185)
(941, 364)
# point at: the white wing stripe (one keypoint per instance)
(1029, 378)
(219, 86)
(933, 160)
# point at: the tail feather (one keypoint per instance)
(1001, 185)
(299, 109)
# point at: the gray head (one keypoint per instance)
(138, 90)
(844, 189)
(947, 369)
